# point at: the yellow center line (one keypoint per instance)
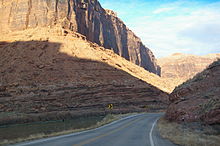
(106, 134)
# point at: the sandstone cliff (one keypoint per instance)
(179, 67)
(53, 73)
(198, 100)
(84, 16)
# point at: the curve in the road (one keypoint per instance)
(136, 130)
(151, 131)
(106, 134)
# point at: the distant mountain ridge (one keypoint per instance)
(180, 67)
(84, 16)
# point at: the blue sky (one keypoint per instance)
(170, 26)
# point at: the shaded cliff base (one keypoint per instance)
(49, 74)
(189, 134)
(77, 46)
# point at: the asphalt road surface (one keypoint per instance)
(136, 130)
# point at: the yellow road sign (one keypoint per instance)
(110, 106)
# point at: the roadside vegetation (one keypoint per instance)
(16, 133)
(192, 134)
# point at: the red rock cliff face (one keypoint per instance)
(84, 16)
(198, 99)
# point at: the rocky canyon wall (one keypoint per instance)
(197, 100)
(181, 67)
(84, 16)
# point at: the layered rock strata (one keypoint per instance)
(48, 74)
(197, 100)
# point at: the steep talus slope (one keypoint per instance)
(55, 73)
(84, 16)
(198, 99)
(179, 67)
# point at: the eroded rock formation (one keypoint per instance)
(197, 100)
(84, 16)
(179, 67)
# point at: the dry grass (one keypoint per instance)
(186, 136)
(107, 119)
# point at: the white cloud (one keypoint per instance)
(197, 32)
(162, 10)
(179, 26)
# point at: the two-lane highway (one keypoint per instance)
(136, 130)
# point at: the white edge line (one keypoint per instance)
(151, 131)
(72, 134)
